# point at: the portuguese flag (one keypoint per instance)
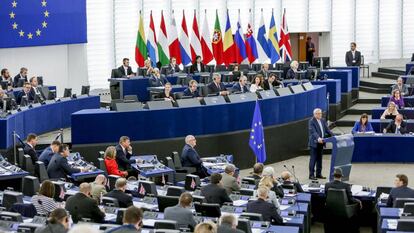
(140, 47)
(217, 42)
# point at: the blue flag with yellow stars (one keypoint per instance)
(42, 22)
(257, 139)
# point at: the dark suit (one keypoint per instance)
(173, 69)
(309, 54)
(236, 76)
(268, 211)
(59, 167)
(190, 158)
(16, 79)
(123, 158)
(214, 89)
(296, 185)
(124, 199)
(19, 97)
(187, 92)
(400, 192)
(80, 206)
(353, 61)
(391, 127)
(316, 148)
(128, 71)
(336, 184)
(266, 85)
(28, 150)
(290, 74)
(157, 82)
(214, 193)
(265, 73)
(226, 228)
(237, 87)
(194, 68)
(33, 93)
(162, 95)
(46, 156)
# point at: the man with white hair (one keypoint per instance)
(190, 157)
(228, 224)
(216, 87)
(318, 130)
(401, 86)
(291, 74)
(241, 86)
(270, 172)
(266, 209)
(156, 79)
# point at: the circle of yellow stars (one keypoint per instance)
(29, 34)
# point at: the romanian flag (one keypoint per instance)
(228, 44)
(140, 47)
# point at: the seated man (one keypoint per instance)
(26, 92)
(48, 153)
(338, 184)
(287, 179)
(257, 172)
(228, 224)
(132, 221)
(291, 74)
(401, 86)
(264, 71)
(173, 67)
(271, 82)
(182, 212)
(123, 156)
(125, 69)
(241, 86)
(192, 89)
(157, 80)
(59, 167)
(81, 205)
(22, 74)
(5, 76)
(216, 87)
(29, 147)
(190, 157)
(229, 181)
(36, 90)
(266, 209)
(398, 126)
(118, 193)
(214, 192)
(400, 191)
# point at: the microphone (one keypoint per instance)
(294, 174)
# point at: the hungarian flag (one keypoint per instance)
(284, 43)
(228, 44)
(140, 47)
(206, 43)
(217, 42)
(162, 43)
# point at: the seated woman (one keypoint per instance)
(197, 66)
(236, 73)
(58, 222)
(192, 89)
(267, 182)
(257, 85)
(391, 111)
(397, 98)
(362, 126)
(110, 163)
(149, 67)
(167, 94)
(291, 74)
(43, 201)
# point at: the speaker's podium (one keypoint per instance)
(342, 150)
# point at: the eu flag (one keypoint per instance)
(256, 140)
(42, 22)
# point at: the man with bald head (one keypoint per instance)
(318, 130)
(190, 157)
(398, 126)
(81, 205)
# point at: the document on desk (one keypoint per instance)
(240, 202)
(149, 222)
(284, 207)
(356, 189)
(110, 217)
(392, 224)
(145, 205)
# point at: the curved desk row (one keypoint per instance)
(43, 118)
(408, 113)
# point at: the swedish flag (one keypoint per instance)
(273, 41)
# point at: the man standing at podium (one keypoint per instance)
(318, 130)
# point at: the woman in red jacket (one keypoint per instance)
(110, 163)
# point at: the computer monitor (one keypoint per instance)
(390, 117)
(51, 95)
(166, 201)
(85, 90)
(296, 89)
(40, 80)
(188, 102)
(317, 62)
(8, 104)
(243, 97)
(21, 82)
(128, 107)
(146, 188)
(213, 100)
(268, 94)
(160, 104)
(68, 92)
(11, 197)
(24, 101)
(307, 86)
(4, 85)
(10, 216)
(283, 91)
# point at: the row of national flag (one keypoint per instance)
(223, 48)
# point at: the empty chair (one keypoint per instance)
(244, 225)
(178, 175)
(175, 191)
(28, 164)
(85, 90)
(248, 180)
(131, 98)
(110, 201)
(178, 165)
(252, 216)
(208, 209)
(11, 197)
(101, 154)
(399, 202)
(40, 171)
(59, 189)
(409, 209)
(120, 215)
(192, 182)
(102, 166)
(30, 185)
(166, 224)
(67, 92)
(166, 201)
(405, 225)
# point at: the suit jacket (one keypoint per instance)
(297, 186)
(46, 156)
(268, 211)
(190, 157)
(400, 192)
(315, 131)
(59, 167)
(157, 82)
(33, 93)
(266, 85)
(124, 199)
(213, 89)
(350, 60)
(392, 127)
(20, 94)
(123, 158)
(403, 89)
(226, 228)
(122, 71)
(214, 193)
(336, 184)
(187, 92)
(290, 74)
(264, 73)
(183, 216)
(230, 183)
(237, 87)
(173, 69)
(28, 150)
(16, 80)
(80, 206)
(358, 128)
(194, 68)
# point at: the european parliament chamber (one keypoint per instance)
(169, 116)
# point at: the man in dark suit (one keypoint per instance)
(36, 89)
(81, 205)
(192, 89)
(123, 156)
(401, 190)
(118, 193)
(59, 167)
(241, 86)
(287, 179)
(271, 82)
(353, 57)
(338, 184)
(157, 80)
(132, 221)
(48, 153)
(216, 87)
(398, 126)
(214, 192)
(5, 76)
(266, 209)
(22, 74)
(125, 69)
(26, 92)
(264, 71)
(29, 147)
(310, 49)
(182, 212)
(318, 130)
(197, 66)
(228, 224)
(257, 172)
(173, 67)
(190, 157)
